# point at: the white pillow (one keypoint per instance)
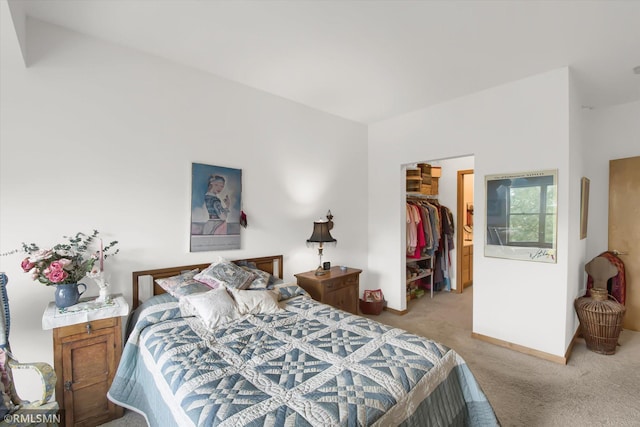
(215, 307)
(256, 302)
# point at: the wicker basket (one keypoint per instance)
(371, 307)
(600, 320)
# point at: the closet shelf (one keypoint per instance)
(421, 195)
(422, 258)
(419, 276)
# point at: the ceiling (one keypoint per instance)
(371, 60)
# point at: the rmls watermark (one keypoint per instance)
(32, 417)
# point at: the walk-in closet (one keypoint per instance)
(439, 227)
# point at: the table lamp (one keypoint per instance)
(320, 237)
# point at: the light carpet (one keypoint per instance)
(591, 390)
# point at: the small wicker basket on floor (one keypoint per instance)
(371, 307)
(600, 320)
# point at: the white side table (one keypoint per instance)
(87, 343)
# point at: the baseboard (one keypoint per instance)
(576, 335)
(522, 349)
(398, 312)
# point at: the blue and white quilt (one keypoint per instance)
(309, 365)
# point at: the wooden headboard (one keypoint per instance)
(270, 264)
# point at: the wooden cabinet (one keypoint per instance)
(337, 288)
(86, 356)
(467, 265)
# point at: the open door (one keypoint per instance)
(624, 230)
(464, 230)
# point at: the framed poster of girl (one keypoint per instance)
(216, 200)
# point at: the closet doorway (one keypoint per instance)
(464, 227)
(448, 196)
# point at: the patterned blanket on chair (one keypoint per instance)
(309, 365)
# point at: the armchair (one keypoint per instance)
(10, 402)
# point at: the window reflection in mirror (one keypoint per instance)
(522, 215)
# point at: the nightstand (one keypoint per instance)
(87, 343)
(337, 288)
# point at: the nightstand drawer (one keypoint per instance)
(87, 327)
(335, 284)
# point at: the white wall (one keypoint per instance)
(610, 133)
(516, 127)
(94, 135)
(577, 246)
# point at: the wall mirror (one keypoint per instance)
(522, 216)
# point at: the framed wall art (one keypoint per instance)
(584, 206)
(522, 216)
(216, 200)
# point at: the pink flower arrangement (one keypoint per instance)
(65, 262)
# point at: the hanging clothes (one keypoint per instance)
(442, 277)
(430, 231)
(412, 231)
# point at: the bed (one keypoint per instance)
(306, 365)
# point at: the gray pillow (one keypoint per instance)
(227, 274)
(251, 266)
(261, 280)
(182, 284)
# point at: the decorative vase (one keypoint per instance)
(600, 320)
(67, 294)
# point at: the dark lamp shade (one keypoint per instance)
(321, 233)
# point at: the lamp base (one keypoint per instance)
(320, 271)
